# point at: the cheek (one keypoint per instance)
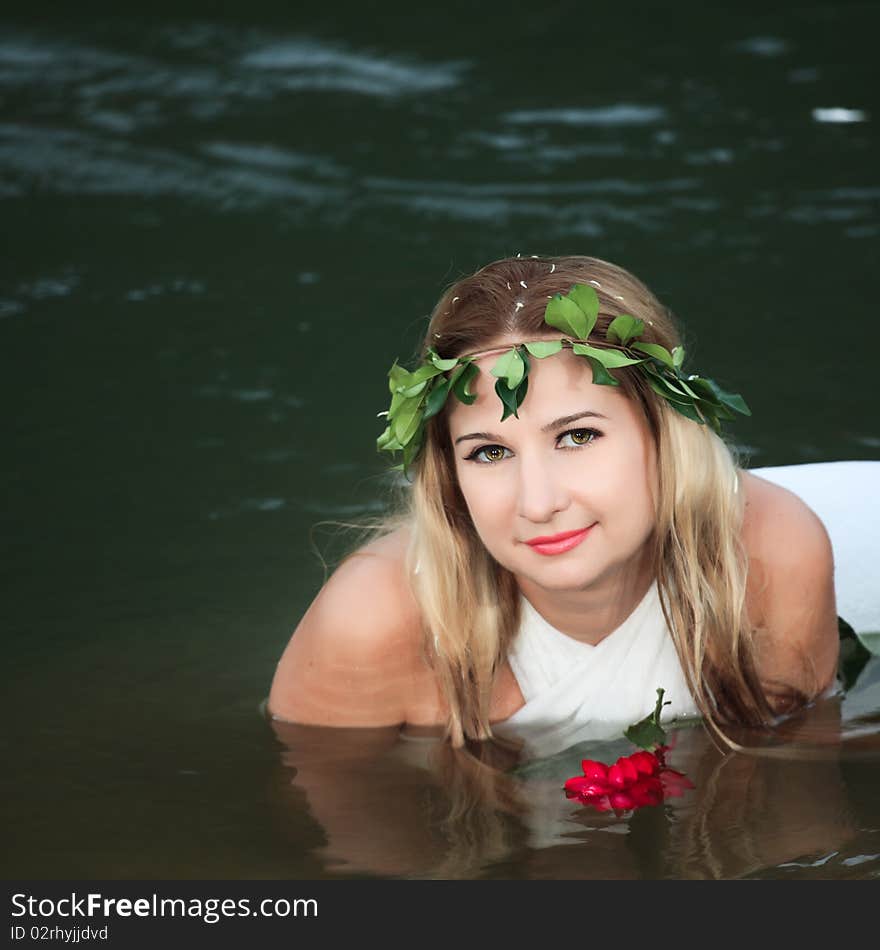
(486, 499)
(640, 488)
(620, 487)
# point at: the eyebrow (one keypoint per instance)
(555, 424)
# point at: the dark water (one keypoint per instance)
(218, 233)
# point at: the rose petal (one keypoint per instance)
(583, 786)
(597, 771)
(621, 801)
(576, 784)
(646, 763)
(628, 769)
(616, 778)
(648, 791)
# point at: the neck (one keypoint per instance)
(591, 614)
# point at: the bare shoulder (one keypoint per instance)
(791, 587)
(780, 529)
(352, 658)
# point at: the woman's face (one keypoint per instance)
(563, 496)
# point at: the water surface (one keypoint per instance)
(219, 232)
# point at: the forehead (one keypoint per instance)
(559, 385)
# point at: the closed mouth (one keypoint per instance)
(556, 538)
(561, 543)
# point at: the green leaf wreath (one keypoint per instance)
(419, 394)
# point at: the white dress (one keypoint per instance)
(575, 692)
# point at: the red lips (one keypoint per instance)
(558, 543)
(553, 538)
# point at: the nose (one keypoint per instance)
(541, 492)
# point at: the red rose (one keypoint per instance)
(634, 781)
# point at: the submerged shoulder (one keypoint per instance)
(791, 586)
(351, 659)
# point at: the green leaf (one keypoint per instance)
(519, 394)
(510, 366)
(461, 383)
(647, 733)
(705, 390)
(736, 402)
(425, 372)
(566, 315)
(681, 383)
(436, 399)
(675, 387)
(601, 376)
(688, 411)
(624, 328)
(661, 390)
(441, 364)
(712, 391)
(508, 399)
(541, 348)
(397, 400)
(397, 376)
(610, 359)
(409, 391)
(681, 404)
(853, 656)
(678, 357)
(722, 412)
(406, 420)
(386, 442)
(657, 351)
(588, 300)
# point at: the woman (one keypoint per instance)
(602, 529)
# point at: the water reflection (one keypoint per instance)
(408, 805)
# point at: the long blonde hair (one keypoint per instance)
(470, 605)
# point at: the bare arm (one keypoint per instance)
(353, 658)
(792, 555)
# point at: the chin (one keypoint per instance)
(561, 577)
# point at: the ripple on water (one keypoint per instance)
(767, 46)
(43, 288)
(538, 200)
(308, 64)
(68, 161)
(9, 308)
(48, 287)
(248, 506)
(328, 509)
(27, 61)
(180, 286)
(272, 156)
(613, 115)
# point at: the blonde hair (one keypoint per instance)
(470, 605)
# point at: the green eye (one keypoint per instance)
(578, 437)
(488, 453)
